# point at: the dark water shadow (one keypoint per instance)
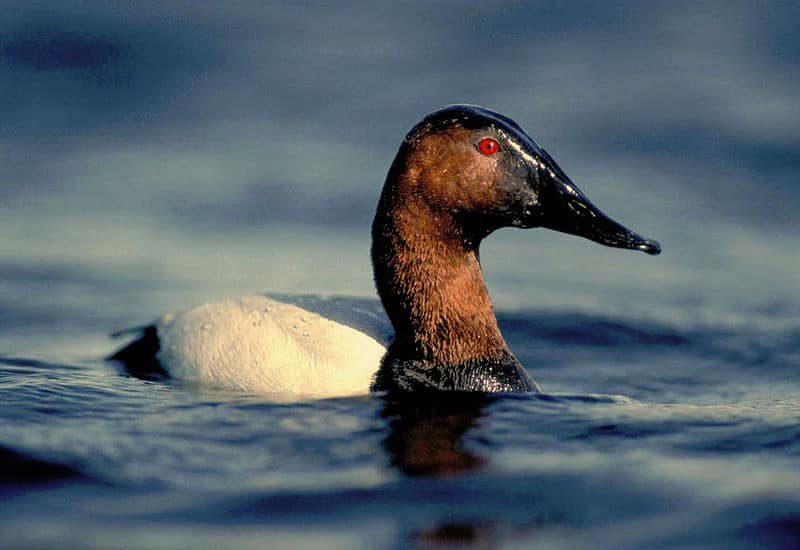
(580, 329)
(781, 531)
(20, 472)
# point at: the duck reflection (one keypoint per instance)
(448, 534)
(426, 431)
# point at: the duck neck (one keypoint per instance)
(428, 276)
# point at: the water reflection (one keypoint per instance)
(449, 533)
(426, 432)
(426, 439)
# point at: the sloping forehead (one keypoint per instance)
(472, 117)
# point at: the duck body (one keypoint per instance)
(261, 344)
(460, 174)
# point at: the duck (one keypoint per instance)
(460, 174)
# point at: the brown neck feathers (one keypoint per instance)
(429, 279)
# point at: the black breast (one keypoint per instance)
(503, 375)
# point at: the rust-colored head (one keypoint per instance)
(460, 174)
(482, 169)
(465, 173)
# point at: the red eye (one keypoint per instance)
(488, 146)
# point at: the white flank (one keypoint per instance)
(258, 344)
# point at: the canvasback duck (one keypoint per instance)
(460, 174)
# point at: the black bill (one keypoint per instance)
(565, 208)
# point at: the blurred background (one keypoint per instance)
(154, 154)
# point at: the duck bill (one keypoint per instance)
(568, 210)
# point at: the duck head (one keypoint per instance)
(484, 170)
(460, 174)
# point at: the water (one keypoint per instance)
(697, 447)
(157, 158)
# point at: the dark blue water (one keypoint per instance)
(648, 436)
(153, 157)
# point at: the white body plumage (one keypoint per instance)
(260, 344)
